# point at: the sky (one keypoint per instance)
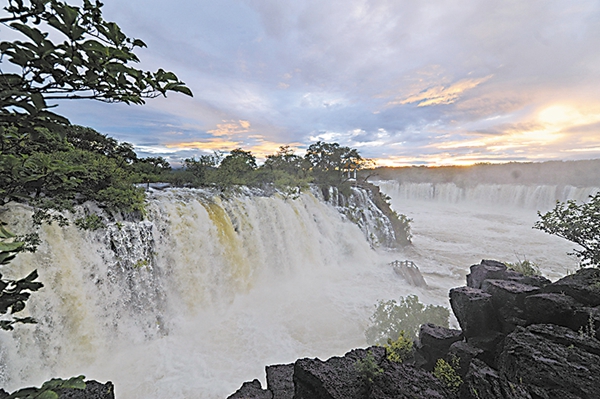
(430, 82)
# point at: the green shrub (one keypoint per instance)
(525, 267)
(90, 222)
(400, 349)
(446, 373)
(368, 368)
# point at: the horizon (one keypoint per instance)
(406, 84)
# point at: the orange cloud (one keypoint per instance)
(440, 94)
(230, 128)
(208, 145)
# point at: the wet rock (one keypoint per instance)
(583, 286)
(474, 311)
(550, 307)
(552, 361)
(339, 378)
(336, 378)
(536, 281)
(280, 380)
(487, 269)
(464, 353)
(483, 382)
(508, 298)
(435, 342)
(251, 390)
(400, 381)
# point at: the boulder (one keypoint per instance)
(552, 361)
(536, 281)
(251, 390)
(487, 269)
(336, 378)
(280, 380)
(483, 382)
(401, 381)
(464, 353)
(555, 308)
(434, 342)
(474, 311)
(339, 378)
(508, 298)
(583, 286)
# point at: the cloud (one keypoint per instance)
(366, 73)
(440, 94)
(231, 128)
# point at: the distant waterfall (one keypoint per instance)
(197, 297)
(542, 197)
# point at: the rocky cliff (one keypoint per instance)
(521, 338)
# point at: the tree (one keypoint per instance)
(237, 168)
(202, 167)
(330, 162)
(288, 172)
(577, 223)
(391, 319)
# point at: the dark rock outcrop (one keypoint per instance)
(474, 310)
(434, 343)
(339, 378)
(251, 390)
(280, 380)
(521, 337)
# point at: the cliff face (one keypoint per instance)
(521, 338)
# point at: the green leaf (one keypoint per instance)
(11, 246)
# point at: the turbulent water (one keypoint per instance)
(206, 291)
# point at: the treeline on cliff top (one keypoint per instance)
(51, 170)
(582, 173)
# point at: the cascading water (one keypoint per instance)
(540, 197)
(208, 290)
(493, 221)
(198, 297)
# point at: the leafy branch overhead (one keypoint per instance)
(92, 61)
(14, 293)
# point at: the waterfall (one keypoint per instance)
(196, 298)
(539, 197)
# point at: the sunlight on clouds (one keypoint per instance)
(440, 94)
(231, 128)
(566, 116)
(208, 145)
(547, 133)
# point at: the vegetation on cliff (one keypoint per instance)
(578, 223)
